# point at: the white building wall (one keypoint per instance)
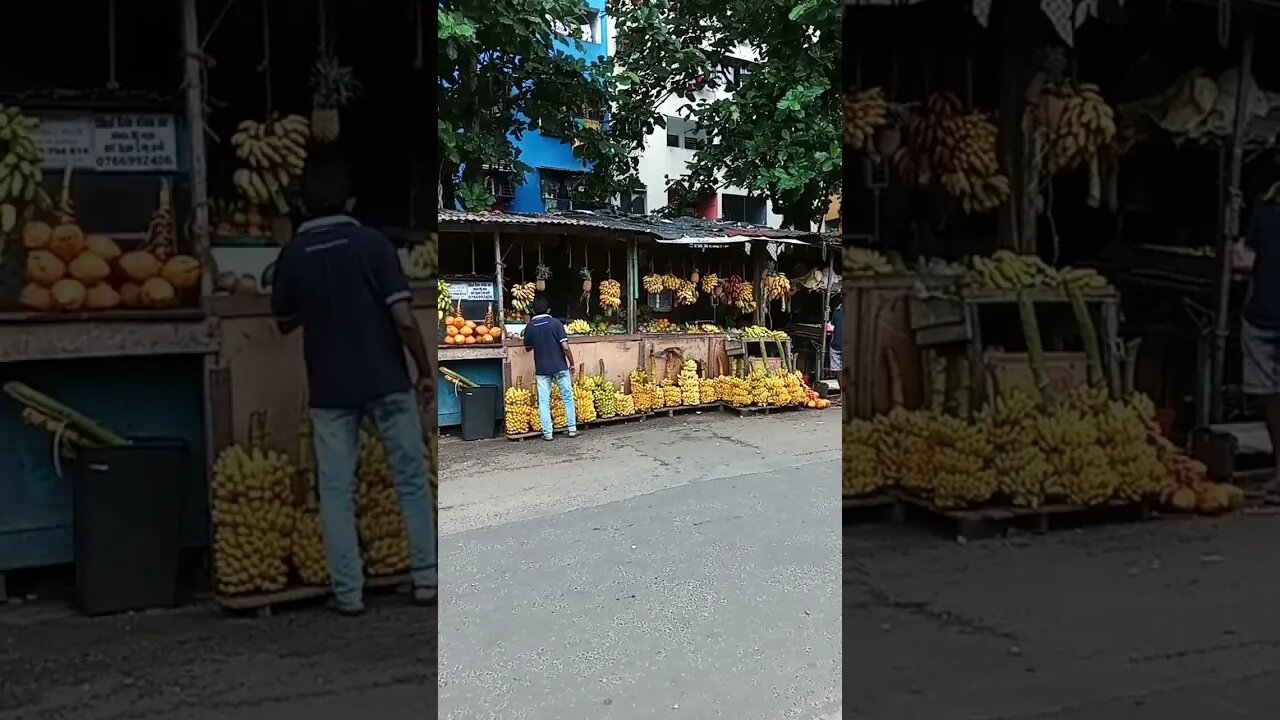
(658, 161)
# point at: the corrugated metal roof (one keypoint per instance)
(679, 228)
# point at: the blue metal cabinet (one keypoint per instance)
(138, 396)
(481, 372)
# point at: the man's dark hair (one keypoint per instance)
(540, 305)
(326, 186)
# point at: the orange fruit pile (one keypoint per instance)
(461, 331)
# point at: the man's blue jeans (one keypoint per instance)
(565, 382)
(337, 438)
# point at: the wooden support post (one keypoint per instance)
(633, 270)
(192, 66)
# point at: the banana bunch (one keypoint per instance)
(930, 140)
(864, 262)
(275, 153)
(610, 295)
(797, 387)
(734, 390)
(21, 171)
(710, 282)
(517, 406)
(306, 550)
(559, 414)
(1076, 124)
(972, 173)
(1086, 280)
(578, 327)
(1021, 467)
(522, 295)
(671, 395)
(864, 113)
(689, 383)
(708, 390)
(860, 471)
(424, 259)
(776, 286)
(444, 298)
(672, 282)
(625, 404)
(737, 292)
(653, 283)
(603, 395)
(584, 402)
(1006, 271)
(760, 332)
(254, 520)
(687, 293)
(384, 540)
(641, 395)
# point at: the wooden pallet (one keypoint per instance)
(987, 522)
(877, 507)
(686, 409)
(753, 410)
(637, 417)
(266, 604)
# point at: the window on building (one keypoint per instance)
(634, 201)
(499, 184)
(743, 208)
(692, 143)
(564, 190)
(673, 140)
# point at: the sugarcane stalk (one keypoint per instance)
(456, 378)
(60, 413)
(938, 383)
(1131, 367)
(897, 394)
(70, 435)
(1089, 335)
(964, 387)
(1035, 351)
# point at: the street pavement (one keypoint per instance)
(676, 568)
(1168, 620)
(198, 664)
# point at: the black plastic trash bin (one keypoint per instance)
(128, 525)
(479, 411)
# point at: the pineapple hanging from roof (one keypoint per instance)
(333, 86)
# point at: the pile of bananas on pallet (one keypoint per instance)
(864, 113)
(1090, 451)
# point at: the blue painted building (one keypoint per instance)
(551, 181)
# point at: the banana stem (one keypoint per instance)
(456, 378)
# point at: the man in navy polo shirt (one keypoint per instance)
(552, 361)
(344, 286)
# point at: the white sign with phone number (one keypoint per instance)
(145, 142)
(472, 291)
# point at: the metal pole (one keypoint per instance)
(193, 70)
(1231, 226)
(499, 275)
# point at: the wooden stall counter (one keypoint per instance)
(621, 353)
(260, 369)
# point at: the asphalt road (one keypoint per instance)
(198, 664)
(1170, 620)
(679, 569)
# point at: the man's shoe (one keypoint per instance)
(573, 433)
(425, 596)
(345, 609)
(549, 438)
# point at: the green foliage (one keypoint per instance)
(778, 135)
(475, 198)
(503, 71)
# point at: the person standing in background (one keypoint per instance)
(343, 285)
(835, 353)
(552, 362)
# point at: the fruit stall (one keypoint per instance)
(138, 238)
(619, 341)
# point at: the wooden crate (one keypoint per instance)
(1067, 371)
(877, 319)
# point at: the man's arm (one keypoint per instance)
(564, 345)
(393, 289)
(285, 305)
(528, 336)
